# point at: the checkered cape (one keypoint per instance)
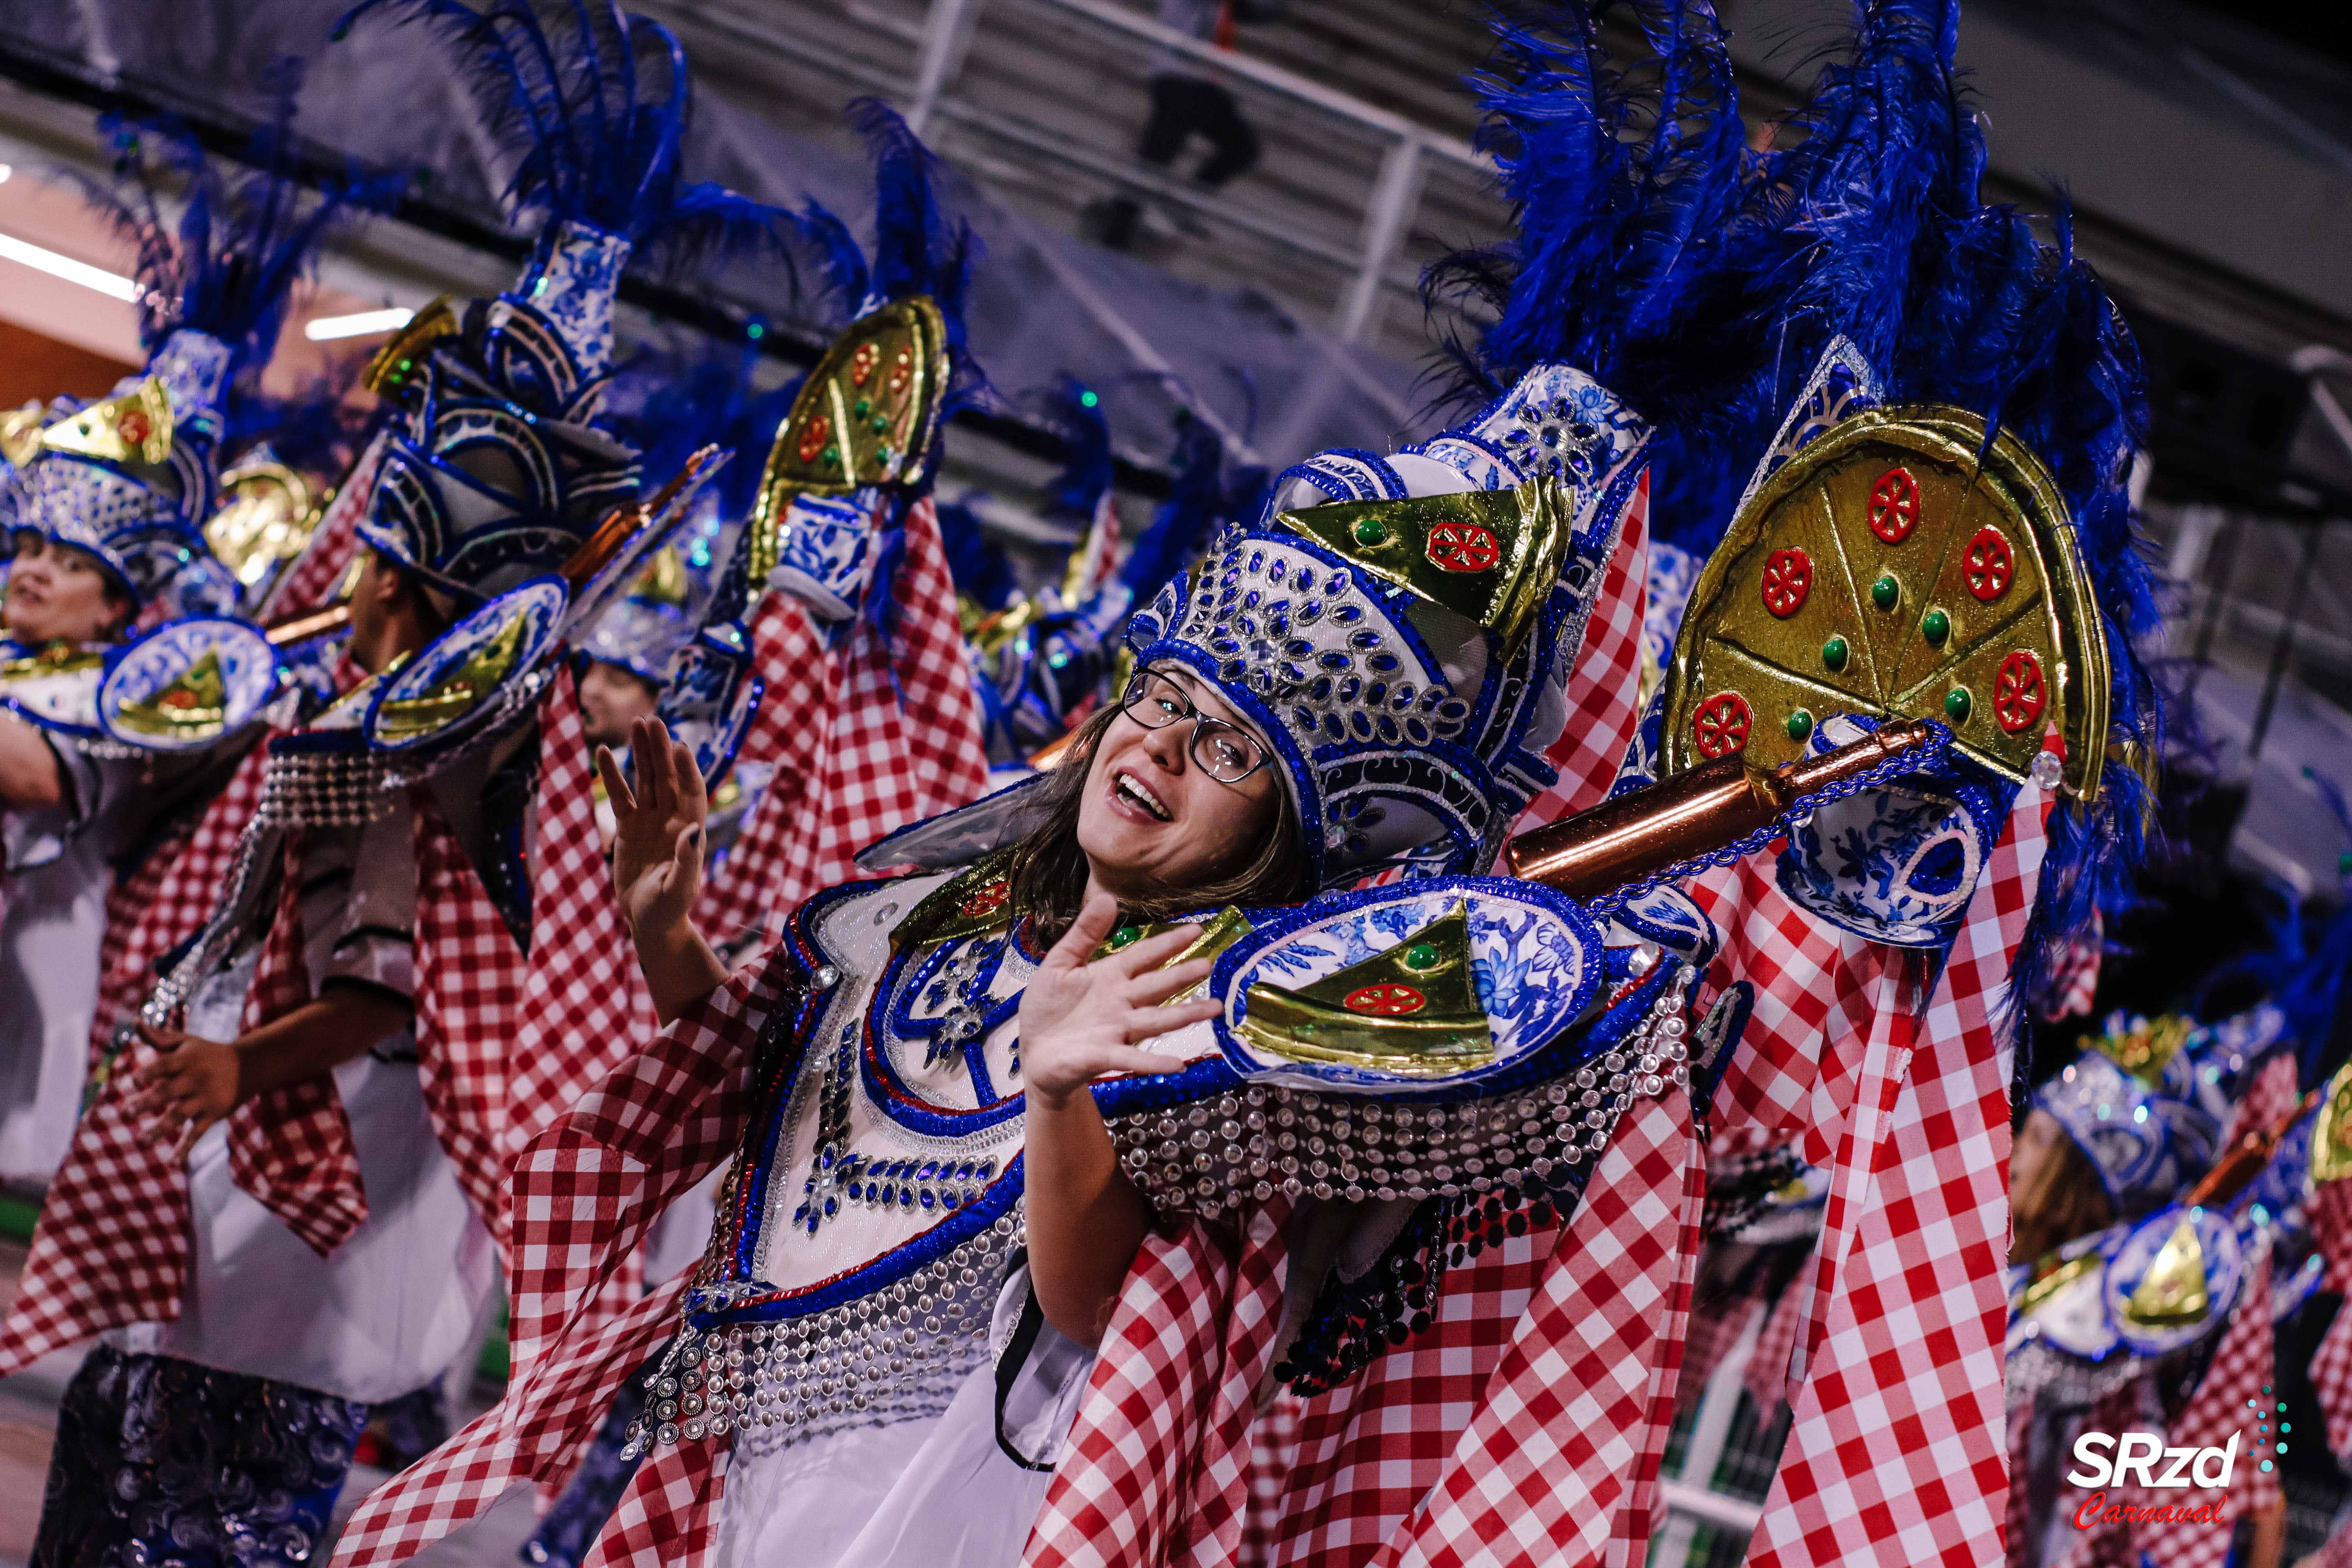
(890, 737)
(111, 1244)
(306, 584)
(165, 902)
(2239, 1388)
(586, 1188)
(1766, 1376)
(2330, 1216)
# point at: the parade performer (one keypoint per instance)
(106, 767)
(287, 1201)
(1417, 1103)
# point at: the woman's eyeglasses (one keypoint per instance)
(1225, 751)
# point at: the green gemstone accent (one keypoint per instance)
(1885, 591)
(1371, 530)
(881, 423)
(1421, 955)
(1801, 724)
(2344, 864)
(1957, 703)
(1834, 653)
(1124, 935)
(862, 408)
(1937, 626)
(832, 453)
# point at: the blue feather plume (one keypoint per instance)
(1201, 500)
(227, 265)
(599, 137)
(982, 571)
(1088, 471)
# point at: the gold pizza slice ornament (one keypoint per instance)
(265, 518)
(1413, 1010)
(865, 415)
(133, 428)
(1896, 567)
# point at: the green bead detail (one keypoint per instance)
(1421, 955)
(1371, 530)
(832, 453)
(881, 423)
(1957, 703)
(1833, 654)
(1885, 591)
(1801, 724)
(862, 408)
(2344, 864)
(1124, 935)
(1937, 626)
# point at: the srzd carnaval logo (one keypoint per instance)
(2104, 1459)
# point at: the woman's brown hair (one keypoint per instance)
(2055, 1201)
(1049, 870)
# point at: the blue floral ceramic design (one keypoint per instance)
(1535, 956)
(537, 606)
(829, 551)
(128, 698)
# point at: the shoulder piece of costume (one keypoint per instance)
(1442, 1036)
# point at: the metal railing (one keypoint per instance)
(942, 41)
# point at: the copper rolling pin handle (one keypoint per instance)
(309, 624)
(1692, 813)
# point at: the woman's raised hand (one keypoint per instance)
(1081, 1020)
(657, 848)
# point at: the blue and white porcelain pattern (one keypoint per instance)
(538, 606)
(248, 674)
(2073, 1320)
(827, 558)
(63, 701)
(1842, 383)
(1674, 573)
(712, 697)
(2225, 1277)
(1535, 956)
(574, 288)
(1894, 866)
(1558, 421)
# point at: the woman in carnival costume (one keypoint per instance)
(100, 755)
(287, 1202)
(1395, 1109)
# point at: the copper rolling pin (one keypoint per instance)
(1714, 804)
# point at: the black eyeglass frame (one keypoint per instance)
(1203, 725)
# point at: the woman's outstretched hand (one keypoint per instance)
(1081, 1020)
(657, 847)
(657, 865)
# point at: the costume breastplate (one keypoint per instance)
(1445, 1037)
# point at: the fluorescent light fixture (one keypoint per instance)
(4, 172)
(367, 323)
(65, 267)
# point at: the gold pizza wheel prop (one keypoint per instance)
(266, 517)
(1887, 570)
(865, 416)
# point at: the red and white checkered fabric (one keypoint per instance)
(2275, 1090)
(2016, 1524)
(1896, 1449)
(1560, 1461)
(469, 989)
(1157, 1469)
(1274, 1451)
(1767, 1377)
(906, 740)
(306, 584)
(167, 899)
(2330, 1214)
(2075, 988)
(1604, 686)
(2237, 1391)
(789, 731)
(1715, 1330)
(292, 1150)
(585, 1190)
(584, 1003)
(1097, 554)
(2100, 1544)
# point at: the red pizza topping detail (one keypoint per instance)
(813, 436)
(1787, 580)
(861, 364)
(1463, 547)
(985, 901)
(1894, 506)
(1991, 565)
(1720, 726)
(2019, 695)
(133, 427)
(1384, 1001)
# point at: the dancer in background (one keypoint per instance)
(286, 1204)
(97, 763)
